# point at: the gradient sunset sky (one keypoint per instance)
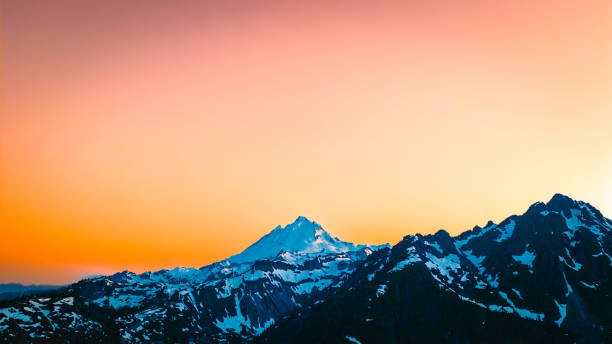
(143, 135)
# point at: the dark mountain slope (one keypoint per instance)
(410, 309)
(13, 290)
(544, 276)
(541, 277)
(234, 299)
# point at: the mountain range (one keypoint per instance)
(12, 290)
(541, 277)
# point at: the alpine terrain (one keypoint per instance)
(541, 277)
(231, 300)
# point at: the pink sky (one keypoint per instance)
(145, 135)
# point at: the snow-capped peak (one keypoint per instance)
(303, 236)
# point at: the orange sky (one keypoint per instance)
(146, 135)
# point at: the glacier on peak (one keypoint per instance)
(302, 237)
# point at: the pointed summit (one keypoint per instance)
(303, 222)
(559, 202)
(303, 236)
(302, 219)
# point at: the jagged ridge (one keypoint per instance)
(547, 272)
(550, 268)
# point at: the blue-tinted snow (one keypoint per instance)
(562, 310)
(526, 258)
(505, 232)
(303, 235)
(382, 289)
(588, 285)
(352, 339)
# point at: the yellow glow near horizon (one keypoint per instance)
(150, 135)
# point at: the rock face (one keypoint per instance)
(544, 276)
(234, 299)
